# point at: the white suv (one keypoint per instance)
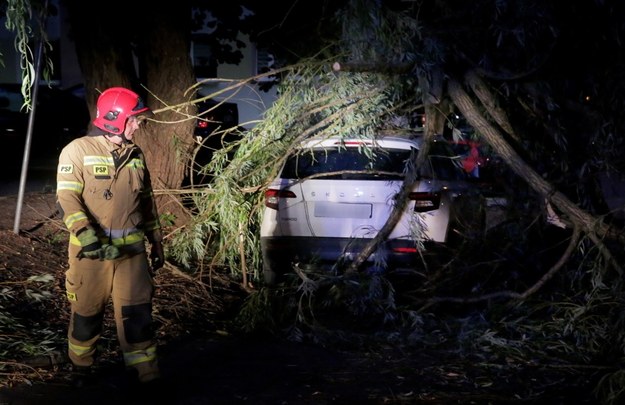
(333, 195)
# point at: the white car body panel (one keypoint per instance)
(350, 208)
(325, 209)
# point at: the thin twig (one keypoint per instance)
(513, 294)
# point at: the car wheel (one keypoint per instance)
(269, 276)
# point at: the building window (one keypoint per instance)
(204, 63)
(264, 63)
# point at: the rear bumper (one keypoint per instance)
(280, 253)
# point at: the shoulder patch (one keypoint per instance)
(66, 169)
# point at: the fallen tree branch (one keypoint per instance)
(401, 199)
(575, 237)
(592, 226)
(488, 100)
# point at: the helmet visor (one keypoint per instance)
(141, 110)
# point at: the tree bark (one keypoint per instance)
(104, 54)
(150, 55)
(168, 140)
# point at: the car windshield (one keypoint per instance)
(340, 163)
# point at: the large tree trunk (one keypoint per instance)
(104, 52)
(160, 69)
(168, 142)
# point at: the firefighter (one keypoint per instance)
(105, 196)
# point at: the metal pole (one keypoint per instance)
(29, 134)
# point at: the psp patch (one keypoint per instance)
(66, 169)
(100, 170)
(71, 296)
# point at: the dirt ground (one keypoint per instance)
(204, 361)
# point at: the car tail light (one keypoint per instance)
(202, 124)
(425, 201)
(272, 197)
(405, 250)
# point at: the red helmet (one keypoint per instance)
(114, 107)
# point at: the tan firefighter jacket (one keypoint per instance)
(107, 187)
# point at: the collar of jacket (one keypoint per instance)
(97, 132)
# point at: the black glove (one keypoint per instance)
(157, 256)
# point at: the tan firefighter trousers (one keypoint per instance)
(90, 283)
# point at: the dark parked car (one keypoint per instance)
(217, 125)
(213, 116)
(59, 116)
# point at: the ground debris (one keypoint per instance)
(206, 360)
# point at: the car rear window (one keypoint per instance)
(340, 163)
(385, 164)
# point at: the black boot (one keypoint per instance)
(82, 376)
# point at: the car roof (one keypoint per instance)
(395, 140)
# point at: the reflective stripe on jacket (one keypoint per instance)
(106, 187)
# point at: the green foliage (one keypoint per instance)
(20, 338)
(18, 13)
(380, 35)
(575, 319)
(611, 388)
(314, 102)
(19, 19)
(167, 219)
(581, 334)
(189, 245)
(325, 309)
